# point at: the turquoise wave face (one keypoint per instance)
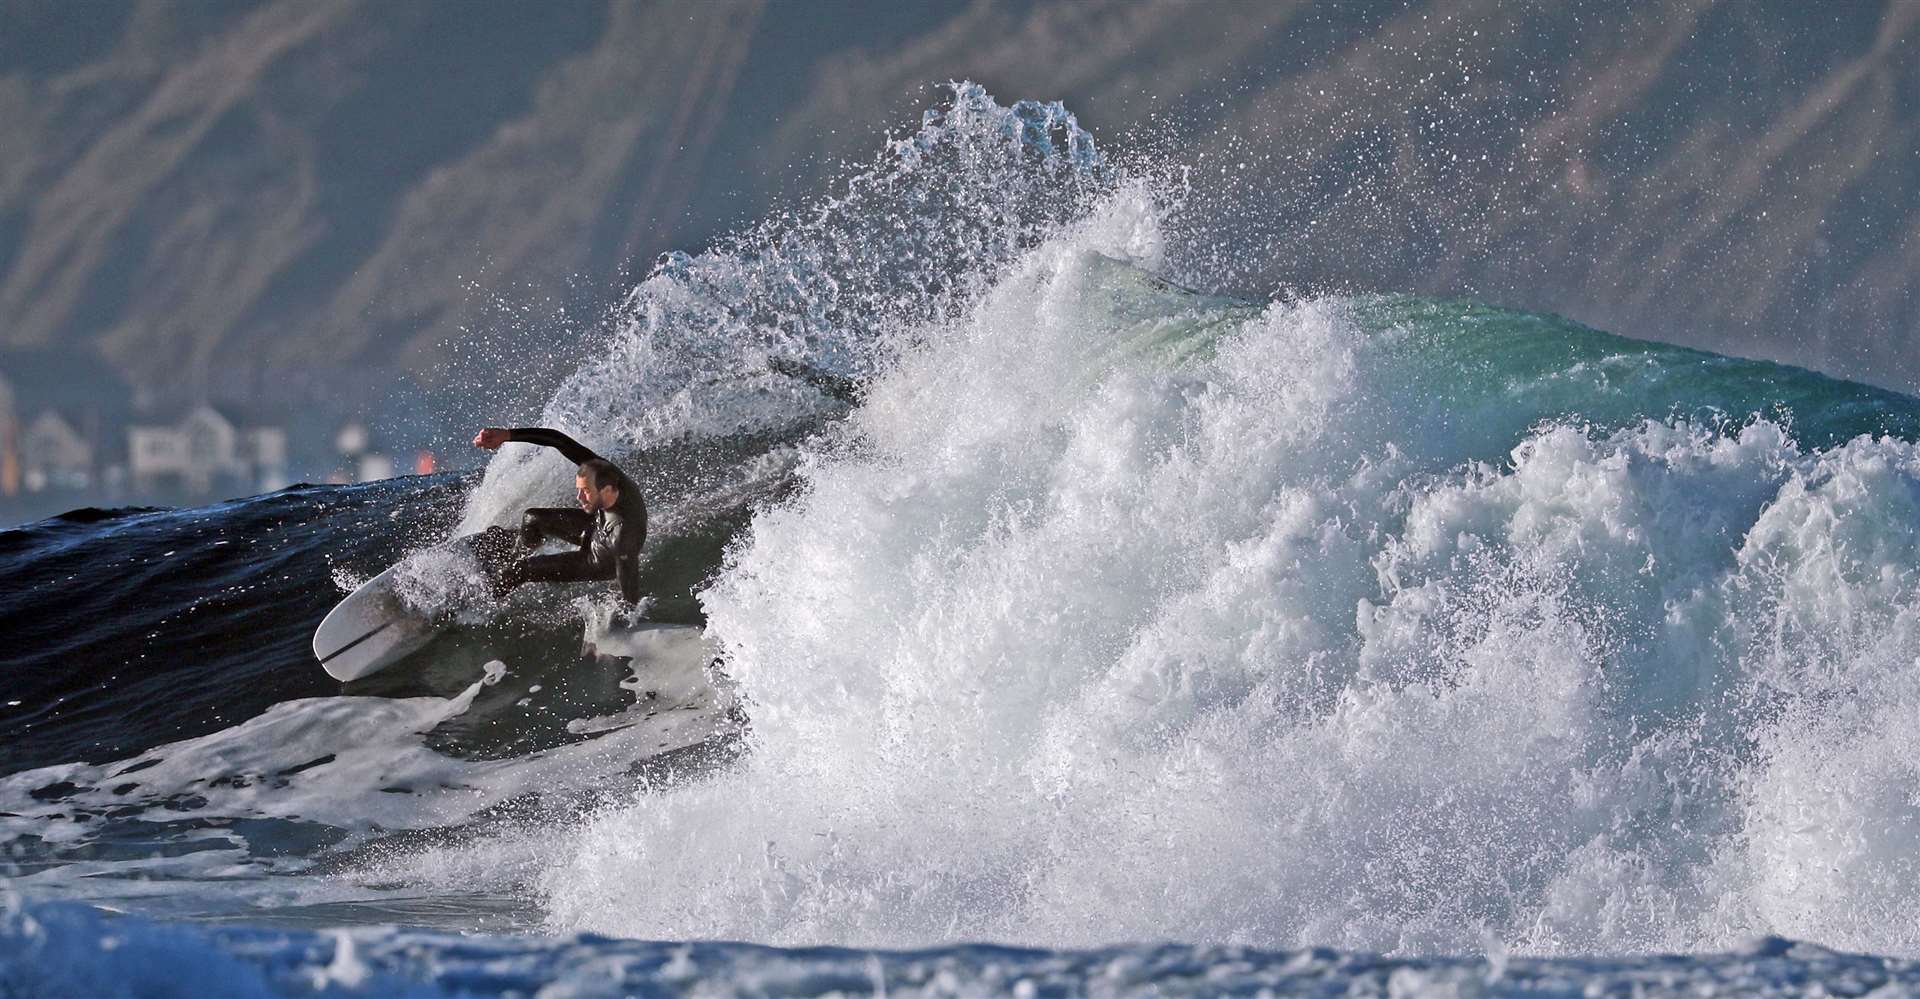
(1500, 371)
(1472, 379)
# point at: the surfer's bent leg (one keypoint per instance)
(566, 567)
(495, 549)
(500, 550)
(559, 523)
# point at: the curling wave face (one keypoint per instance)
(1115, 610)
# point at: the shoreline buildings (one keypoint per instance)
(74, 434)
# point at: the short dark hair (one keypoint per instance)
(599, 472)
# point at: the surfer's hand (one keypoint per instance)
(490, 438)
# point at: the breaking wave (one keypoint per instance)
(1069, 606)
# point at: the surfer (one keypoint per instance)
(609, 527)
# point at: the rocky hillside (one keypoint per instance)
(288, 190)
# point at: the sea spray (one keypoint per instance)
(721, 343)
(1065, 646)
(1073, 635)
(1113, 611)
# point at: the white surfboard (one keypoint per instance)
(670, 673)
(371, 630)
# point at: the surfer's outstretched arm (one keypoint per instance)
(572, 450)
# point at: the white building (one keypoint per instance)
(204, 449)
(55, 454)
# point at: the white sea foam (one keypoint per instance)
(232, 820)
(1113, 612)
(1107, 618)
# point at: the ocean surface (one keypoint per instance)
(1089, 634)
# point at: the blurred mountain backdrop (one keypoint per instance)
(292, 198)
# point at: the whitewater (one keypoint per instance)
(1079, 629)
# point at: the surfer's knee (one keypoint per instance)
(510, 577)
(493, 547)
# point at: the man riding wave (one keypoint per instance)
(609, 527)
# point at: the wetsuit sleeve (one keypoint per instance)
(569, 448)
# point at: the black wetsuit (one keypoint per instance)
(609, 540)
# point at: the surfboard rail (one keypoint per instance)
(372, 628)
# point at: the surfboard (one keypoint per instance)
(670, 673)
(372, 628)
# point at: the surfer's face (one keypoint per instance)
(592, 500)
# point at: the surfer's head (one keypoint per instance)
(597, 484)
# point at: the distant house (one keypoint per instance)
(55, 454)
(203, 449)
(60, 414)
